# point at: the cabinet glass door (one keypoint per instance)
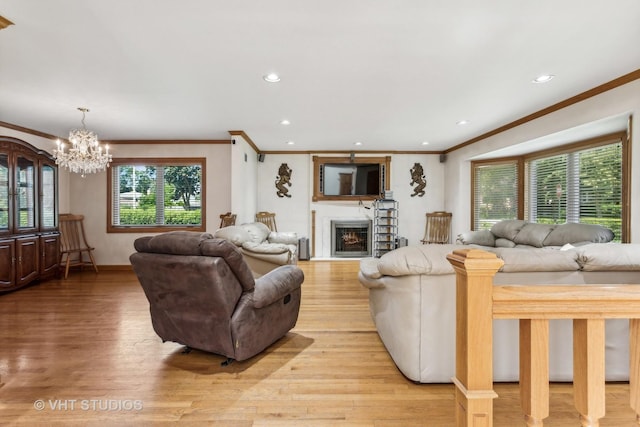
(48, 208)
(4, 192)
(26, 193)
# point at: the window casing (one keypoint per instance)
(584, 182)
(156, 195)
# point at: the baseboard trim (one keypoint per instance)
(123, 267)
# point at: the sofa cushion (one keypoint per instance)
(576, 233)
(533, 234)
(508, 229)
(258, 231)
(504, 243)
(609, 257)
(537, 259)
(234, 234)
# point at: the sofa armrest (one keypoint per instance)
(284, 237)
(369, 268)
(265, 248)
(277, 284)
(478, 237)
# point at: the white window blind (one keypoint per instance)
(582, 186)
(495, 193)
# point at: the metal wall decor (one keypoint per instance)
(417, 178)
(283, 178)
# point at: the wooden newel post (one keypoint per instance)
(475, 270)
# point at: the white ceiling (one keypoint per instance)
(390, 74)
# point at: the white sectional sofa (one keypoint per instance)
(412, 300)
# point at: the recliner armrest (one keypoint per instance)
(277, 284)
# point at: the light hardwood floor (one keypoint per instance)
(84, 349)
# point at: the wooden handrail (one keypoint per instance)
(479, 301)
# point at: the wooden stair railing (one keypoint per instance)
(479, 301)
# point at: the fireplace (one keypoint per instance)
(350, 238)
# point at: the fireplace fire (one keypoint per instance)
(350, 239)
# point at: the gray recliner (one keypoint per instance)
(203, 295)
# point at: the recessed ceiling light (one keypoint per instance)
(357, 143)
(544, 78)
(285, 122)
(290, 142)
(462, 122)
(271, 78)
(425, 142)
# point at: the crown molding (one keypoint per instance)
(620, 81)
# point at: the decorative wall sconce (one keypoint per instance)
(417, 178)
(283, 178)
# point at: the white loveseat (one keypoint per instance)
(412, 302)
(263, 249)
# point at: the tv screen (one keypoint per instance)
(351, 179)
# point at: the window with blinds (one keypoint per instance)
(156, 195)
(581, 186)
(495, 193)
(584, 182)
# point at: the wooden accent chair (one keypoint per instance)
(268, 219)
(73, 244)
(227, 219)
(438, 228)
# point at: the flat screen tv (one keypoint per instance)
(351, 179)
(344, 178)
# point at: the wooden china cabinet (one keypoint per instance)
(29, 237)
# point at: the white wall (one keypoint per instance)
(244, 180)
(620, 101)
(89, 195)
(294, 214)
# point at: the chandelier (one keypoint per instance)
(85, 155)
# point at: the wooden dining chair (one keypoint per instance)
(73, 244)
(438, 228)
(227, 219)
(267, 218)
